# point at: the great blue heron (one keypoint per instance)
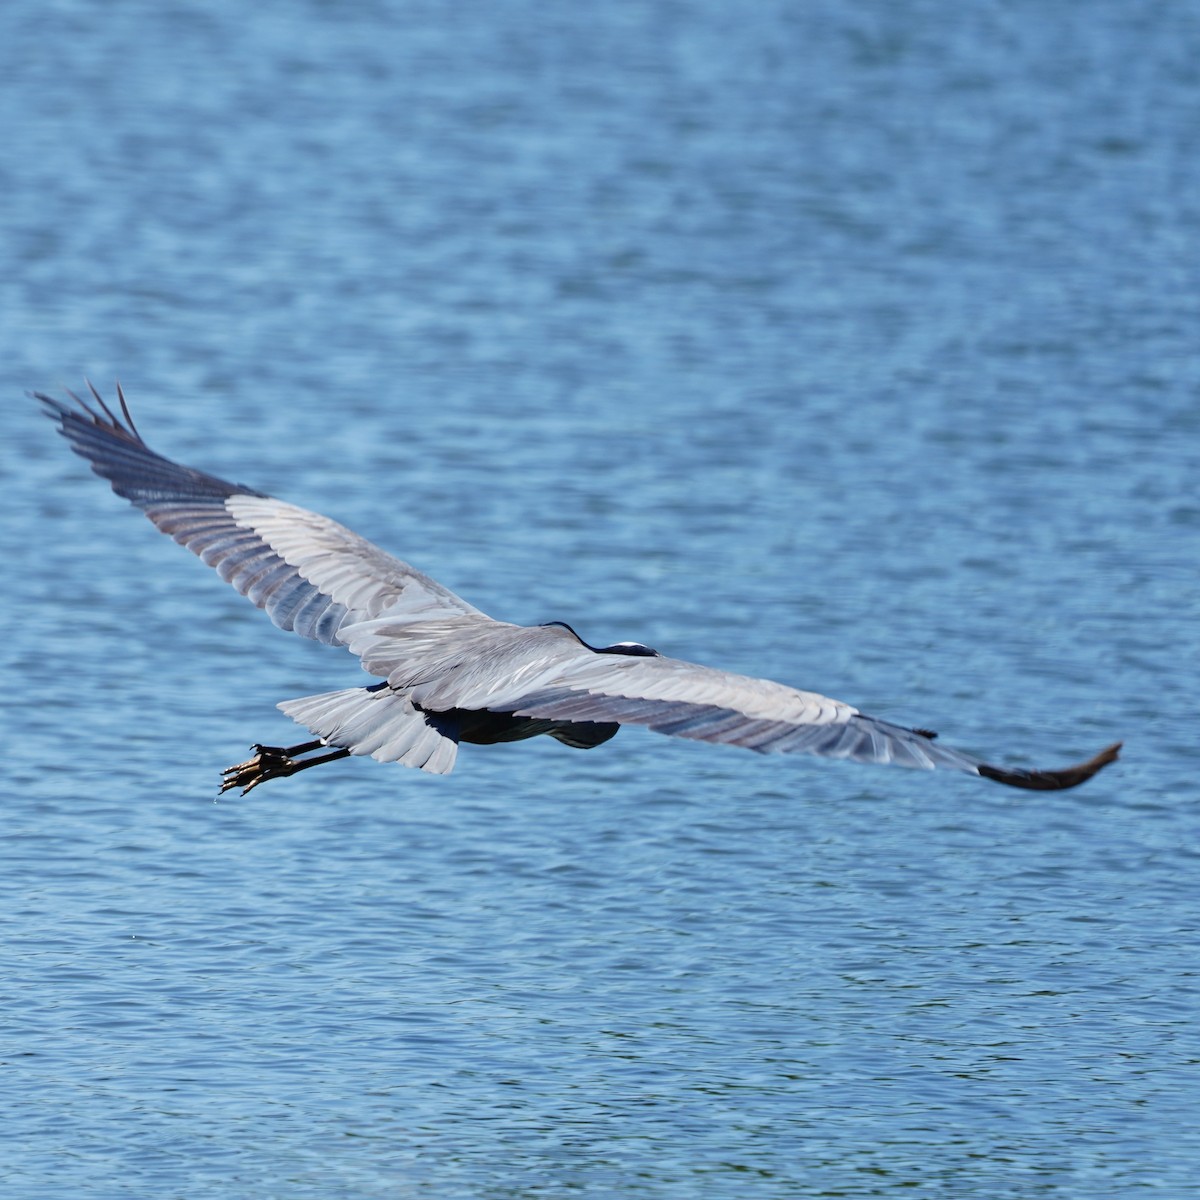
(449, 673)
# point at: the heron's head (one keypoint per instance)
(634, 648)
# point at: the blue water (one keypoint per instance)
(852, 345)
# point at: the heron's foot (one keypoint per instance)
(269, 762)
(276, 762)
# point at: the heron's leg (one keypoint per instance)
(292, 751)
(275, 762)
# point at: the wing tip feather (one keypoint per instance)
(1052, 780)
(56, 410)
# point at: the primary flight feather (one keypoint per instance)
(449, 673)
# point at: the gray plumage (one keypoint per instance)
(449, 673)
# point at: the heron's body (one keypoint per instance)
(448, 672)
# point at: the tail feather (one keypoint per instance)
(376, 721)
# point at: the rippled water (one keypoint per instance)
(852, 345)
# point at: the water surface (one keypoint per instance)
(854, 346)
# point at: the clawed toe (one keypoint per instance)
(276, 762)
(269, 762)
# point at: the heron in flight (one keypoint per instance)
(448, 673)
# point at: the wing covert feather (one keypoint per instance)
(687, 700)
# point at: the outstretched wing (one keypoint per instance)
(548, 672)
(308, 573)
(686, 700)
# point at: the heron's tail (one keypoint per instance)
(379, 722)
